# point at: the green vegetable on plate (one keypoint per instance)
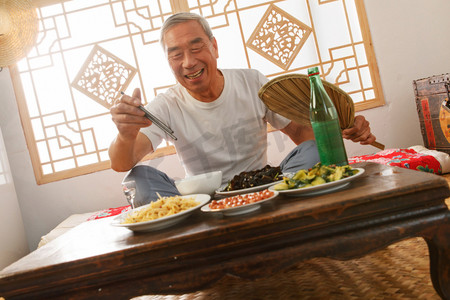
(319, 174)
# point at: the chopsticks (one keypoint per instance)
(156, 121)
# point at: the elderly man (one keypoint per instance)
(219, 121)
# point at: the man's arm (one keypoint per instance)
(298, 133)
(130, 145)
(125, 154)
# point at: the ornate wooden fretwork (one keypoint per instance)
(279, 37)
(103, 76)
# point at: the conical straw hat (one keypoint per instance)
(18, 30)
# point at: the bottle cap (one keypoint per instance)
(313, 71)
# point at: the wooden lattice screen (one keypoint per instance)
(88, 51)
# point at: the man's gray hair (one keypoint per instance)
(181, 18)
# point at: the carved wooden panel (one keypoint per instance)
(103, 76)
(279, 37)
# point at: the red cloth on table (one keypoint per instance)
(405, 158)
(109, 212)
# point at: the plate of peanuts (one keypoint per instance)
(240, 204)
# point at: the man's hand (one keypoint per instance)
(360, 132)
(130, 146)
(129, 119)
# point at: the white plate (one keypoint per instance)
(243, 209)
(321, 188)
(161, 222)
(245, 191)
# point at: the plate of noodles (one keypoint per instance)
(164, 212)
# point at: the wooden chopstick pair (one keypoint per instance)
(156, 121)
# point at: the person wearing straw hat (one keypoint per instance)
(216, 115)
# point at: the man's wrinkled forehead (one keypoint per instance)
(201, 32)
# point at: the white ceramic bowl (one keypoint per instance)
(200, 184)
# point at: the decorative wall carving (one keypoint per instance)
(279, 37)
(103, 76)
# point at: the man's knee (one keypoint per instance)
(150, 184)
(303, 156)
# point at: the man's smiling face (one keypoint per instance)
(193, 59)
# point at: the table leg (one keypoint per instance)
(439, 249)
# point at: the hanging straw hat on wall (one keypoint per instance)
(18, 30)
(289, 95)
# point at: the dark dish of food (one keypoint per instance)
(255, 178)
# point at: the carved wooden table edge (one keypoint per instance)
(188, 269)
(180, 280)
(262, 264)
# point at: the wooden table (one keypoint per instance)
(98, 261)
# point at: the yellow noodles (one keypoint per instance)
(164, 207)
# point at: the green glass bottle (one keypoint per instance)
(325, 123)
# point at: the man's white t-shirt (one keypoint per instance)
(228, 134)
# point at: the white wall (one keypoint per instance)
(410, 38)
(12, 232)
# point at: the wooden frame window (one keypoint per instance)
(88, 51)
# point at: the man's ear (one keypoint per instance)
(216, 48)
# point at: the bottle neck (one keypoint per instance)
(319, 98)
(315, 79)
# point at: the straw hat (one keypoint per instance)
(18, 30)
